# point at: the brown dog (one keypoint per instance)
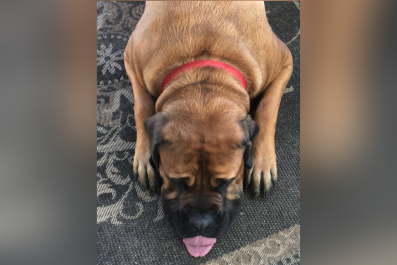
(197, 133)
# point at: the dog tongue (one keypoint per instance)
(199, 246)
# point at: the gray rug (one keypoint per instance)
(130, 222)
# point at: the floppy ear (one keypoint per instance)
(252, 131)
(153, 127)
(252, 127)
(248, 156)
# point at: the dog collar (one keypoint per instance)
(203, 63)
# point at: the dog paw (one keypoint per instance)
(144, 173)
(262, 178)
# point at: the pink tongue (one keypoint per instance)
(199, 246)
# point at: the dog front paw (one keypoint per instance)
(262, 178)
(144, 173)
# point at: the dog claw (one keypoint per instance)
(155, 187)
(147, 184)
(274, 183)
(267, 182)
(135, 176)
(262, 184)
(245, 183)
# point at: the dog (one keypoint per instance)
(207, 79)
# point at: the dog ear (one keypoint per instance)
(247, 156)
(153, 127)
(252, 130)
(252, 127)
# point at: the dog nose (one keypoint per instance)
(200, 221)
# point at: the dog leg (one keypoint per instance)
(144, 107)
(263, 175)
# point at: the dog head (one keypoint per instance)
(201, 156)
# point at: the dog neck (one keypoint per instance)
(204, 83)
(204, 63)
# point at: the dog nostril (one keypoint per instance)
(200, 221)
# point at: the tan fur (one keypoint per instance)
(204, 106)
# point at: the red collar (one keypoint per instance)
(202, 63)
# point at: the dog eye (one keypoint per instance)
(222, 184)
(180, 183)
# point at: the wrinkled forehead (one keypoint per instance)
(196, 165)
(218, 134)
(211, 146)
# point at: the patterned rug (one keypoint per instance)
(130, 222)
